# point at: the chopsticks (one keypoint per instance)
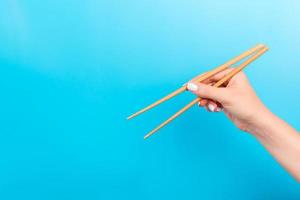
(199, 79)
(258, 50)
(218, 84)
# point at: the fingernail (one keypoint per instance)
(211, 107)
(192, 87)
(219, 109)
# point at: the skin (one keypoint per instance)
(243, 107)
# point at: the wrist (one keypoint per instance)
(261, 122)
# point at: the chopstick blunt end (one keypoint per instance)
(261, 45)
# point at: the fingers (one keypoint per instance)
(220, 75)
(203, 102)
(239, 78)
(213, 107)
(210, 105)
(205, 91)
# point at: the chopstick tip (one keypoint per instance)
(131, 116)
(128, 118)
(148, 135)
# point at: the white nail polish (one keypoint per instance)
(192, 87)
(211, 107)
(219, 109)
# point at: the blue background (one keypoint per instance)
(72, 71)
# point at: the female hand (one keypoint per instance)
(237, 99)
(248, 113)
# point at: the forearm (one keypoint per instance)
(281, 140)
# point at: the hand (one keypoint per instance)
(248, 113)
(237, 99)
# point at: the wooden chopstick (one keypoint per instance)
(199, 79)
(219, 83)
(169, 96)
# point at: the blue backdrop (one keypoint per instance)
(72, 71)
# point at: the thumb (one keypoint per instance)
(208, 92)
